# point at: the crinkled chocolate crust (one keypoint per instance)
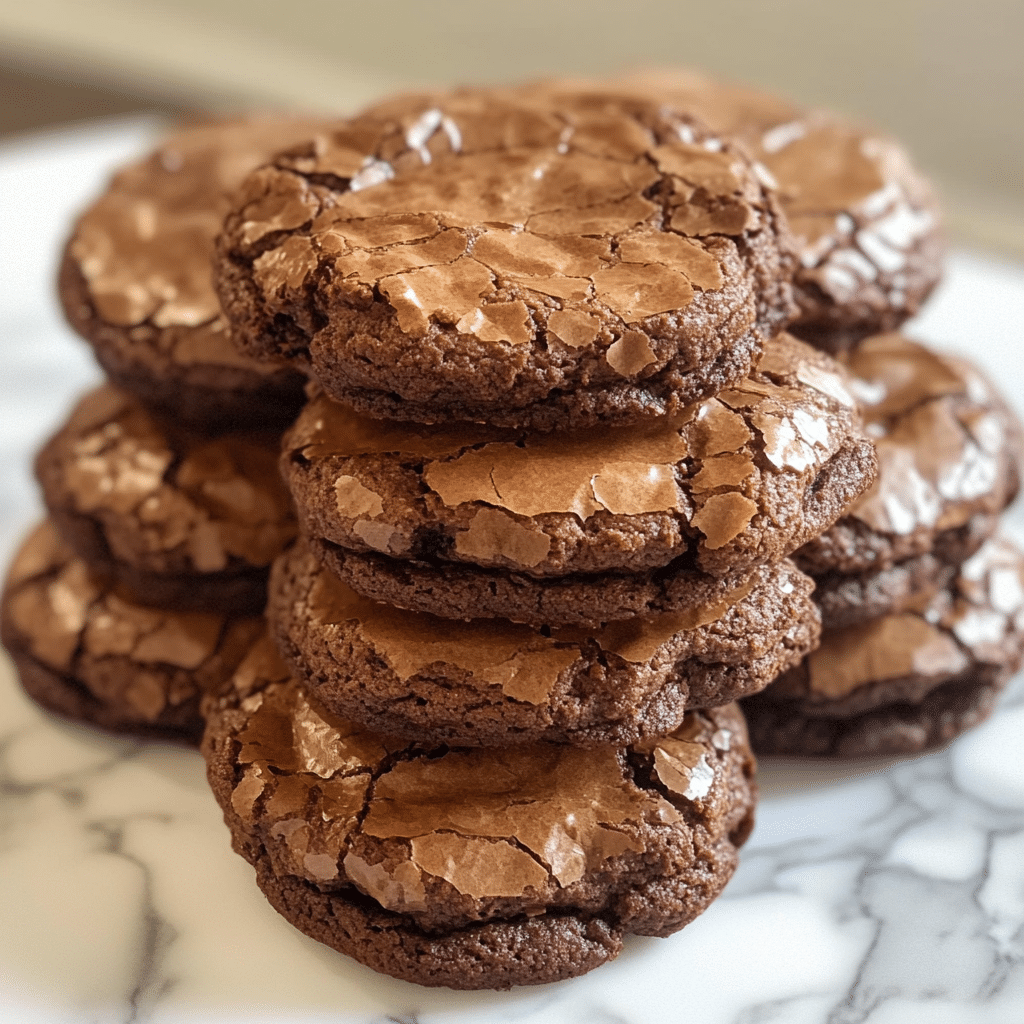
(214, 398)
(686, 867)
(360, 353)
(65, 696)
(96, 687)
(142, 502)
(949, 450)
(869, 236)
(599, 698)
(781, 727)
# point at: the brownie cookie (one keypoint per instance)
(596, 525)
(490, 682)
(86, 652)
(183, 521)
(949, 451)
(474, 868)
(135, 279)
(866, 222)
(904, 682)
(548, 260)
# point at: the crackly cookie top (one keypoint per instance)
(145, 246)
(857, 208)
(947, 449)
(72, 623)
(408, 824)
(978, 620)
(168, 501)
(504, 216)
(731, 479)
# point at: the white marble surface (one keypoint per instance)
(889, 893)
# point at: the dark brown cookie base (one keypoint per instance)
(453, 591)
(212, 398)
(663, 394)
(781, 727)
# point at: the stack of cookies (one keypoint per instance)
(565, 491)
(146, 585)
(922, 602)
(556, 453)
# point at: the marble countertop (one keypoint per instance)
(882, 892)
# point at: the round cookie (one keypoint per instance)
(86, 652)
(135, 279)
(474, 868)
(949, 453)
(542, 260)
(903, 682)
(601, 524)
(488, 682)
(182, 520)
(866, 222)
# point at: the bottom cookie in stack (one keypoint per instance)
(86, 650)
(473, 868)
(903, 682)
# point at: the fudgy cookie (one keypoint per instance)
(182, 520)
(542, 260)
(596, 525)
(474, 868)
(135, 279)
(88, 653)
(490, 682)
(904, 682)
(949, 452)
(866, 222)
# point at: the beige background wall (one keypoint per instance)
(945, 76)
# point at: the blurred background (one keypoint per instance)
(942, 75)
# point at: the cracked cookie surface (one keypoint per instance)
(865, 221)
(135, 279)
(949, 451)
(473, 868)
(85, 652)
(903, 682)
(544, 258)
(181, 519)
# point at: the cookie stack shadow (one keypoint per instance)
(559, 493)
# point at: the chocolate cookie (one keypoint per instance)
(88, 653)
(489, 682)
(183, 521)
(866, 222)
(949, 451)
(548, 260)
(474, 868)
(135, 279)
(597, 525)
(904, 682)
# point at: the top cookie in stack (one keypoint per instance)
(540, 260)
